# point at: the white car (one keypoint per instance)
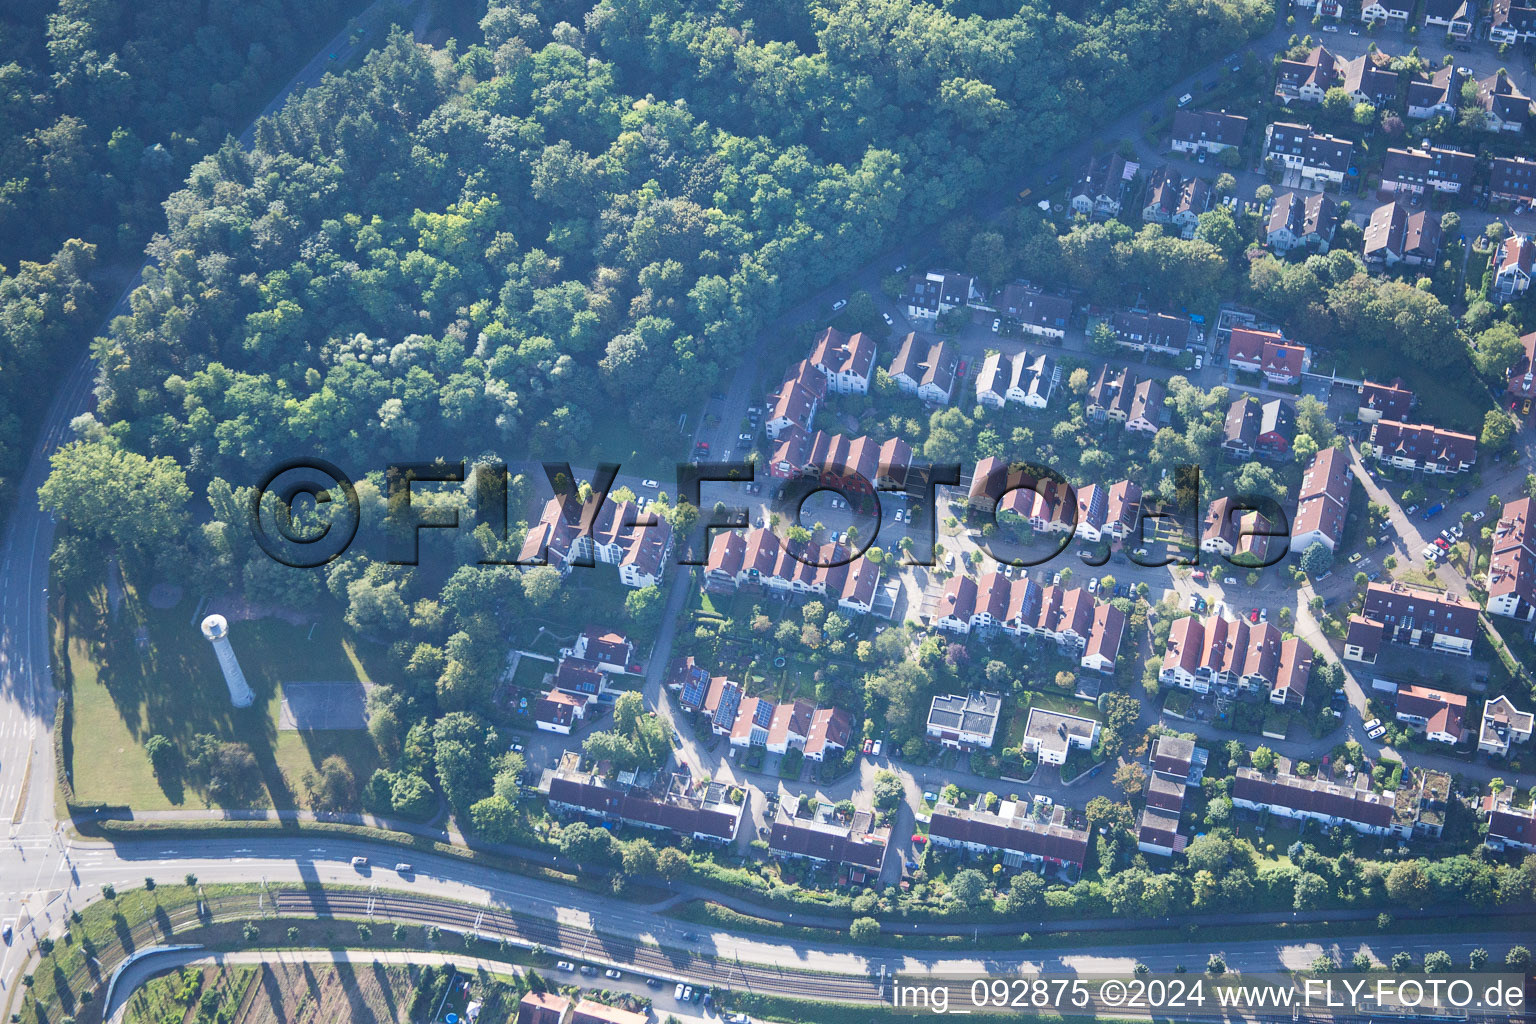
(1377, 732)
(1041, 798)
(879, 744)
(403, 868)
(1230, 581)
(359, 862)
(1263, 614)
(1373, 723)
(839, 304)
(900, 516)
(1477, 516)
(996, 324)
(888, 321)
(649, 483)
(613, 974)
(565, 965)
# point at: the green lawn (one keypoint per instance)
(125, 692)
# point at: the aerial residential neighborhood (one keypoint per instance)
(614, 514)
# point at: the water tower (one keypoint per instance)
(216, 629)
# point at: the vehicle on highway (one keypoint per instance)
(565, 965)
(359, 862)
(839, 304)
(7, 930)
(403, 868)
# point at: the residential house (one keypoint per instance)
(937, 292)
(1416, 171)
(1512, 566)
(1102, 652)
(1146, 412)
(1302, 222)
(1507, 107)
(847, 361)
(1322, 503)
(1162, 196)
(1420, 805)
(830, 731)
(1052, 735)
(1521, 383)
(1031, 311)
(1508, 827)
(925, 369)
(1321, 159)
(1293, 673)
(706, 811)
(1435, 93)
(1384, 401)
(795, 401)
(1512, 179)
(757, 560)
(807, 829)
(993, 479)
(1308, 80)
(1101, 191)
(718, 700)
(1503, 724)
(543, 1008)
(1455, 17)
(590, 1011)
(1108, 512)
(1511, 22)
(1435, 713)
(1259, 428)
(1152, 332)
(1422, 446)
(1391, 11)
(965, 721)
(1047, 507)
(1109, 396)
(1208, 130)
(580, 678)
(753, 720)
(1397, 235)
(1396, 613)
(1021, 831)
(1512, 278)
(1311, 799)
(1267, 352)
(610, 650)
(1211, 651)
(1232, 531)
(789, 727)
(1028, 380)
(1194, 199)
(1369, 78)
(558, 711)
(616, 536)
(854, 465)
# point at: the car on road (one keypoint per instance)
(1186, 99)
(996, 325)
(403, 868)
(839, 304)
(589, 970)
(744, 438)
(8, 929)
(612, 974)
(565, 965)
(899, 268)
(1377, 732)
(1230, 581)
(359, 862)
(1355, 557)
(690, 936)
(649, 483)
(888, 321)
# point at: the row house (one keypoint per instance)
(937, 292)
(1321, 159)
(925, 369)
(1322, 503)
(855, 465)
(1119, 395)
(1031, 311)
(1304, 799)
(1267, 352)
(794, 404)
(1052, 735)
(1175, 762)
(1437, 715)
(1455, 17)
(1395, 613)
(1420, 804)
(831, 729)
(1152, 332)
(965, 721)
(1022, 832)
(1210, 131)
(753, 718)
(806, 829)
(789, 727)
(1293, 674)
(1511, 22)
(1239, 535)
(1510, 828)
(1101, 191)
(1520, 385)
(1512, 274)
(1396, 234)
(616, 537)
(1512, 566)
(674, 804)
(1384, 401)
(717, 698)
(1236, 653)
(1506, 107)
(846, 360)
(1308, 79)
(1422, 446)
(1512, 179)
(1108, 513)
(1028, 380)
(1013, 490)
(1436, 93)
(1417, 171)
(1265, 429)
(1298, 221)
(1173, 200)
(819, 733)
(757, 559)
(1073, 619)
(1503, 725)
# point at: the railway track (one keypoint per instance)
(494, 924)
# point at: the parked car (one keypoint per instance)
(1373, 723)
(654, 983)
(879, 744)
(565, 965)
(1186, 99)
(1041, 798)
(612, 974)
(1355, 557)
(1230, 581)
(888, 321)
(996, 324)
(839, 304)
(1479, 515)
(869, 745)
(1377, 732)
(8, 929)
(589, 970)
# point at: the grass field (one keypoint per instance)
(127, 689)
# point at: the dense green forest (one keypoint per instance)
(103, 107)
